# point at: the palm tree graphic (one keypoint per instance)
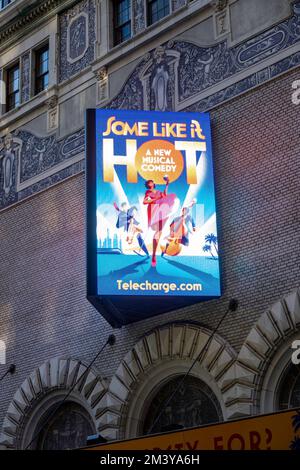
(211, 244)
(295, 443)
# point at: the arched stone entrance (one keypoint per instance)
(43, 390)
(161, 355)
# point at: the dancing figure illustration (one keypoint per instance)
(160, 205)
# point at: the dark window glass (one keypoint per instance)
(193, 405)
(289, 388)
(67, 429)
(4, 3)
(157, 9)
(41, 69)
(13, 87)
(122, 20)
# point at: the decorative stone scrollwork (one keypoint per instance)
(52, 102)
(9, 152)
(25, 74)
(77, 38)
(52, 113)
(8, 160)
(159, 79)
(219, 5)
(221, 18)
(102, 85)
(139, 18)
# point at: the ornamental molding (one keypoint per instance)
(38, 12)
(219, 5)
(170, 349)
(101, 74)
(35, 13)
(52, 102)
(52, 113)
(102, 85)
(280, 322)
(57, 374)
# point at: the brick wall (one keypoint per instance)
(43, 310)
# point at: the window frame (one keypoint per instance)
(8, 70)
(116, 43)
(147, 12)
(36, 77)
(2, 6)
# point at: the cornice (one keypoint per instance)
(27, 18)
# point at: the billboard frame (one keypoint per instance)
(118, 310)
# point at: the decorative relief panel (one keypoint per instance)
(139, 17)
(222, 23)
(162, 80)
(25, 77)
(26, 161)
(2, 94)
(102, 85)
(9, 151)
(198, 68)
(52, 113)
(77, 39)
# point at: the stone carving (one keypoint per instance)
(29, 163)
(163, 79)
(52, 122)
(160, 88)
(219, 5)
(25, 77)
(52, 113)
(41, 154)
(139, 19)
(102, 84)
(9, 165)
(8, 160)
(52, 102)
(77, 39)
(222, 23)
(72, 167)
(154, 85)
(200, 68)
(246, 84)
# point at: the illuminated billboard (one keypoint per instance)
(151, 213)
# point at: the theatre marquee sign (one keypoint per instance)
(152, 241)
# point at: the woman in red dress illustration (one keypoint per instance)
(159, 208)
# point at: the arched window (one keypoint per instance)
(193, 405)
(289, 388)
(68, 428)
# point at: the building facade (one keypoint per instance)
(237, 59)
